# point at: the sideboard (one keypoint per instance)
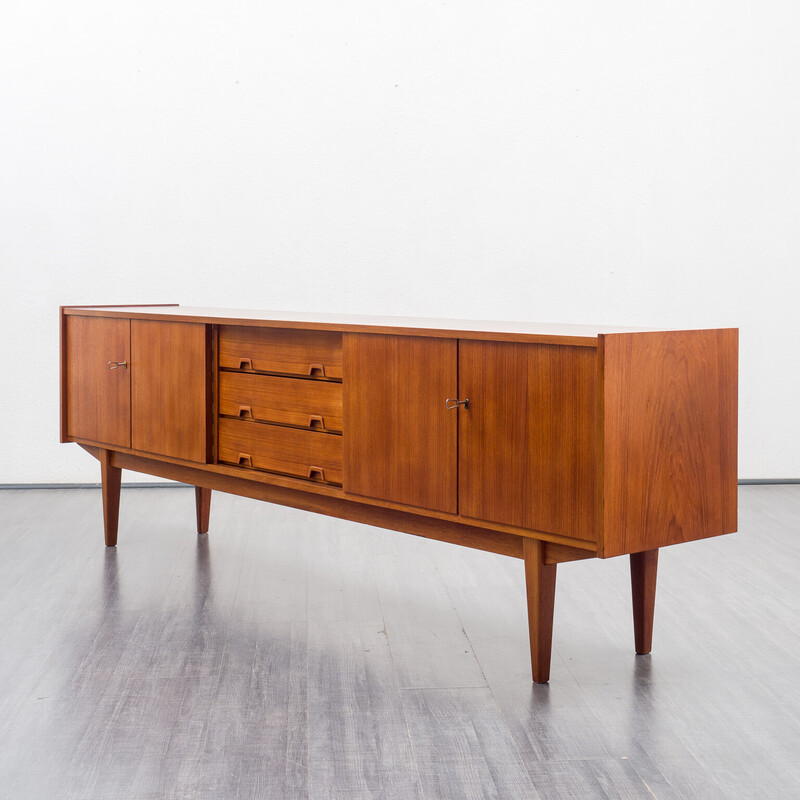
(548, 443)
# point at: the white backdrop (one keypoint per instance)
(616, 162)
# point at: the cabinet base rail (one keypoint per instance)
(540, 557)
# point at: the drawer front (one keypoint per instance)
(287, 401)
(315, 354)
(303, 454)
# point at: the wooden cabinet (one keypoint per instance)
(137, 384)
(280, 402)
(545, 443)
(518, 449)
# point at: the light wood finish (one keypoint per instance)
(403, 443)
(202, 499)
(304, 454)
(526, 441)
(540, 586)
(286, 352)
(111, 482)
(669, 438)
(644, 571)
(561, 444)
(169, 389)
(98, 399)
(286, 401)
(484, 330)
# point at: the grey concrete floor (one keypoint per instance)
(287, 655)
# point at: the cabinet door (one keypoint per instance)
(98, 399)
(527, 440)
(400, 442)
(169, 396)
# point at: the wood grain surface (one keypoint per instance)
(287, 401)
(527, 440)
(400, 439)
(281, 449)
(246, 484)
(316, 354)
(202, 499)
(200, 473)
(170, 413)
(98, 399)
(644, 572)
(669, 438)
(540, 589)
(111, 481)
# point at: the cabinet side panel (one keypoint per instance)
(527, 440)
(670, 407)
(399, 439)
(169, 374)
(62, 375)
(98, 399)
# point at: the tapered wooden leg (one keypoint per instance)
(202, 499)
(644, 569)
(111, 479)
(540, 580)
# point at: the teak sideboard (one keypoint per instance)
(549, 443)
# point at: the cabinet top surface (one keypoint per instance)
(413, 326)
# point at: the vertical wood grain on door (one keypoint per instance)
(526, 443)
(400, 442)
(670, 409)
(98, 399)
(169, 392)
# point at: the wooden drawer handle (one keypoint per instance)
(316, 421)
(316, 473)
(245, 363)
(245, 412)
(245, 460)
(316, 369)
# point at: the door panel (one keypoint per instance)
(526, 442)
(98, 398)
(169, 394)
(400, 442)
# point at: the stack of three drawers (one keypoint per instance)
(280, 401)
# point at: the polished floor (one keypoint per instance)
(287, 655)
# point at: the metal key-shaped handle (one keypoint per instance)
(117, 364)
(456, 403)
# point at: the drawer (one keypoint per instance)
(287, 401)
(303, 454)
(316, 354)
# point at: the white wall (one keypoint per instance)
(616, 162)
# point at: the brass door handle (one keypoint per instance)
(456, 403)
(117, 364)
